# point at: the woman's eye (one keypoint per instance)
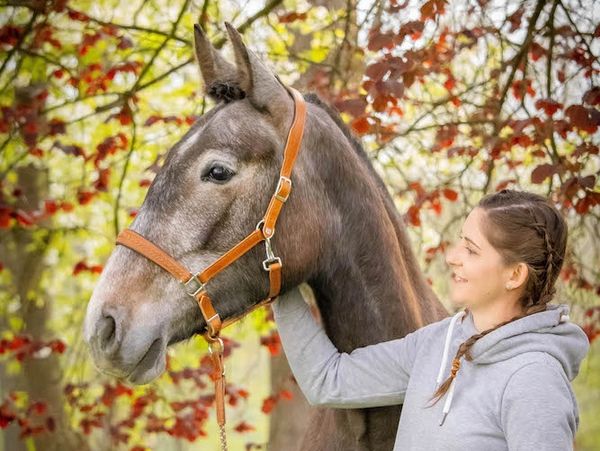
(218, 174)
(469, 250)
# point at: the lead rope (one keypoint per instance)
(216, 349)
(223, 438)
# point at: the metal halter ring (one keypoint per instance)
(196, 286)
(215, 345)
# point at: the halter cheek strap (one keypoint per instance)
(195, 284)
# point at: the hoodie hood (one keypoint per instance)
(549, 331)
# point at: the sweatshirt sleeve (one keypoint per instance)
(375, 375)
(538, 410)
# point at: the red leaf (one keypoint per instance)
(101, 184)
(243, 427)
(38, 407)
(522, 87)
(272, 342)
(378, 40)
(548, 105)
(124, 43)
(542, 172)
(121, 389)
(24, 218)
(269, 404)
(79, 267)
(445, 137)
(586, 119)
(152, 120)
(96, 269)
(9, 36)
(58, 346)
(361, 125)
(413, 29)
(50, 206)
(292, 17)
(536, 51)
(85, 197)
(5, 217)
(585, 149)
(286, 394)
(66, 206)
(36, 152)
(436, 206)
(413, 216)
(18, 343)
(70, 149)
(77, 15)
(393, 87)
(417, 188)
(515, 19)
(450, 194)
(592, 97)
(356, 107)
(432, 8)
(450, 83)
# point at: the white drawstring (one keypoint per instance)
(438, 381)
(440, 375)
(448, 402)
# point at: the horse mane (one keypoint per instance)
(434, 310)
(356, 145)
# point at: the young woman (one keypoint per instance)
(508, 385)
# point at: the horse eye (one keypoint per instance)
(218, 174)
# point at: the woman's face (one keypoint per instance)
(478, 273)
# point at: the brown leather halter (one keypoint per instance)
(195, 284)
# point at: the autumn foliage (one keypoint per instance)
(451, 100)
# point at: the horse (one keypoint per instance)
(339, 232)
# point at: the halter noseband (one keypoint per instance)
(195, 284)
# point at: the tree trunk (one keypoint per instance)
(41, 378)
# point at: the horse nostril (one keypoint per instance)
(107, 328)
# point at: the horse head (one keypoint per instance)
(211, 191)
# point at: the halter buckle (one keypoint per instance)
(271, 258)
(193, 286)
(282, 180)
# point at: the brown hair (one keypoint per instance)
(522, 227)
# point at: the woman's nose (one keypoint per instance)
(452, 256)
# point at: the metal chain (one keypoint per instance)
(223, 437)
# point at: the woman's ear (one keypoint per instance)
(517, 277)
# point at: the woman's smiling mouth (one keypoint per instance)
(458, 279)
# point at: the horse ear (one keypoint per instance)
(262, 87)
(216, 71)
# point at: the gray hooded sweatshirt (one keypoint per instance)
(514, 395)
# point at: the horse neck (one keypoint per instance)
(368, 286)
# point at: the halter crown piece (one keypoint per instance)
(195, 284)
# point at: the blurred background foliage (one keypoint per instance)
(451, 100)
